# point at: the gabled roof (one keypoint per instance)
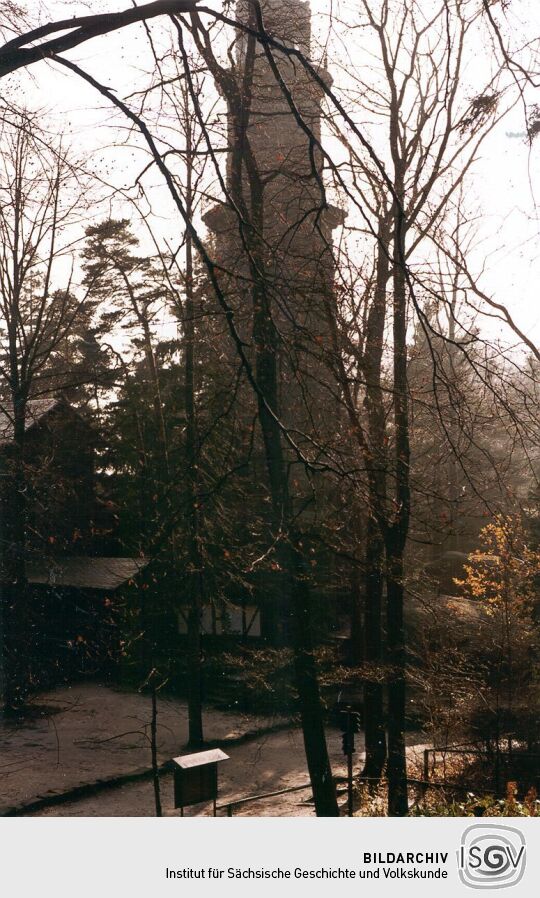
(36, 410)
(85, 572)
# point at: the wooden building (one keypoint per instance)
(59, 453)
(72, 589)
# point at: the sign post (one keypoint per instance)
(350, 725)
(196, 778)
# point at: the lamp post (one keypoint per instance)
(350, 722)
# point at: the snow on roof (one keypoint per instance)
(200, 758)
(36, 409)
(85, 572)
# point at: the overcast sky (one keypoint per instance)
(506, 184)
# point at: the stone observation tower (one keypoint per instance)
(277, 177)
(272, 240)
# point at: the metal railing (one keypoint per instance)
(231, 806)
(423, 784)
(498, 757)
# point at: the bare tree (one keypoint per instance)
(38, 205)
(405, 187)
(17, 53)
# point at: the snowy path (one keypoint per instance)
(86, 733)
(267, 764)
(98, 733)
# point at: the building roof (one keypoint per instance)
(36, 409)
(85, 572)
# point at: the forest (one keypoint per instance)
(269, 427)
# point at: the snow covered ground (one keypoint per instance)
(89, 733)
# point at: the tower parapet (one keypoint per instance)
(289, 22)
(288, 164)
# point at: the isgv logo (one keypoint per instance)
(491, 857)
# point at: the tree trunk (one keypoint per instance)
(307, 685)
(153, 748)
(397, 533)
(243, 172)
(195, 556)
(195, 722)
(291, 558)
(17, 630)
(374, 724)
(356, 652)
(376, 463)
(396, 768)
